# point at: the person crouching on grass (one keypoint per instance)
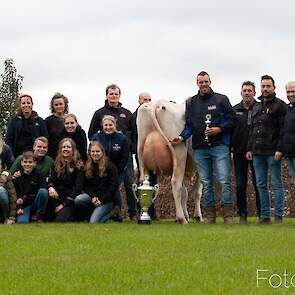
(7, 190)
(66, 180)
(32, 194)
(100, 185)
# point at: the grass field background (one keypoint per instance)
(164, 258)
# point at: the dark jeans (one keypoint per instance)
(127, 178)
(66, 214)
(38, 204)
(241, 165)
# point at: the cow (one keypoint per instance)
(157, 122)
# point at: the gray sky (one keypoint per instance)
(79, 47)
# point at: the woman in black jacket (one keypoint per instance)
(59, 106)
(25, 127)
(100, 184)
(66, 180)
(74, 131)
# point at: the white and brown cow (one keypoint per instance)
(157, 122)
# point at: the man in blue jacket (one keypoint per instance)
(210, 118)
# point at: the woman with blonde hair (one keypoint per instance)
(100, 185)
(66, 180)
(117, 149)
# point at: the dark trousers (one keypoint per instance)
(126, 177)
(241, 165)
(66, 214)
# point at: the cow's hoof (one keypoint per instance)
(198, 219)
(182, 221)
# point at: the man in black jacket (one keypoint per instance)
(210, 118)
(265, 148)
(239, 147)
(289, 129)
(125, 124)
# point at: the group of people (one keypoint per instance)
(49, 173)
(258, 133)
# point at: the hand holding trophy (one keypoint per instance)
(207, 122)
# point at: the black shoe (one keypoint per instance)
(243, 219)
(116, 214)
(264, 221)
(278, 219)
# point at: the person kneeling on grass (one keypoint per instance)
(32, 194)
(66, 181)
(100, 185)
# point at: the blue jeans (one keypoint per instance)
(99, 214)
(4, 202)
(217, 158)
(263, 166)
(291, 164)
(39, 205)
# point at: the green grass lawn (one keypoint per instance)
(164, 258)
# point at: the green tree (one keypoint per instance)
(10, 85)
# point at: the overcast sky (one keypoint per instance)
(79, 47)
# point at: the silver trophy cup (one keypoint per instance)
(207, 122)
(145, 198)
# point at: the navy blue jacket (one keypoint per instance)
(222, 115)
(116, 148)
(14, 130)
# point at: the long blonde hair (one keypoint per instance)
(101, 164)
(61, 164)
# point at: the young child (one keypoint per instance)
(32, 194)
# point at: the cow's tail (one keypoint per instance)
(159, 129)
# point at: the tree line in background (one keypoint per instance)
(10, 85)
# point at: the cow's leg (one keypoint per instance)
(197, 195)
(184, 197)
(142, 170)
(176, 183)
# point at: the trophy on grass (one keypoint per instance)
(207, 122)
(145, 198)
